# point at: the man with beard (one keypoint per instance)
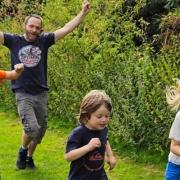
(31, 88)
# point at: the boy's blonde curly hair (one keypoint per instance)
(91, 102)
(173, 96)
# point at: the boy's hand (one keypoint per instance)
(85, 7)
(19, 67)
(94, 143)
(111, 161)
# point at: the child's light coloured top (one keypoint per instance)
(175, 134)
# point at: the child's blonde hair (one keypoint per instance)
(91, 102)
(173, 96)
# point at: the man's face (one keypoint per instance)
(32, 29)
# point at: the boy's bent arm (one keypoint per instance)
(108, 149)
(77, 153)
(71, 25)
(110, 157)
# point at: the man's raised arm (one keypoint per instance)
(71, 25)
(1, 38)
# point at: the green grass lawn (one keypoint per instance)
(49, 157)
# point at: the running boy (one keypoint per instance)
(88, 143)
(173, 165)
(12, 75)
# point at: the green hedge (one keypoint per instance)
(101, 54)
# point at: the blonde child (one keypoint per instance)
(88, 143)
(12, 75)
(173, 165)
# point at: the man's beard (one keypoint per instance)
(30, 35)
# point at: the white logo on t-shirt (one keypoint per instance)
(30, 55)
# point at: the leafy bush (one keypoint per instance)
(102, 54)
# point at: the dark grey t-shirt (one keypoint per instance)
(34, 57)
(91, 165)
(175, 134)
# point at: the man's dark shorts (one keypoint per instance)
(32, 110)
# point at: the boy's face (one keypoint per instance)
(98, 119)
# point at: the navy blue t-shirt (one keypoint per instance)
(34, 57)
(91, 165)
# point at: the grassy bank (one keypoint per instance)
(49, 157)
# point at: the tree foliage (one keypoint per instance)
(114, 50)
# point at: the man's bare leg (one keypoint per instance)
(25, 140)
(31, 148)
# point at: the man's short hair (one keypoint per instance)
(35, 16)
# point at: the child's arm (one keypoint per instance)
(175, 147)
(2, 75)
(110, 157)
(14, 74)
(77, 153)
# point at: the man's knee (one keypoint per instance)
(32, 130)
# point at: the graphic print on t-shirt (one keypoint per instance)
(30, 55)
(94, 161)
